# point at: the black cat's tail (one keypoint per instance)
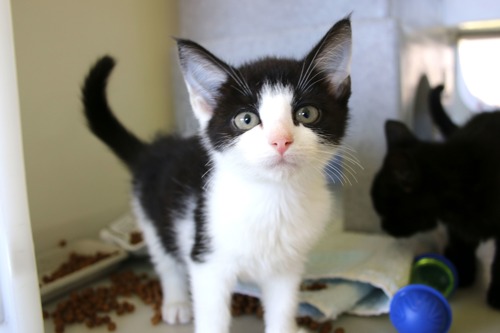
(446, 126)
(101, 119)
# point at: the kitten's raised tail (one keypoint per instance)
(446, 126)
(101, 119)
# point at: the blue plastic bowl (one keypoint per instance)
(418, 308)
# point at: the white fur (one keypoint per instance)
(264, 211)
(176, 307)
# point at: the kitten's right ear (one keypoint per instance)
(332, 56)
(204, 74)
(398, 135)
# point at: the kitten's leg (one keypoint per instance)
(463, 255)
(212, 284)
(279, 297)
(176, 306)
(494, 288)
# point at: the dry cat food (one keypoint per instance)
(244, 305)
(313, 286)
(93, 306)
(135, 237)
(74, 263)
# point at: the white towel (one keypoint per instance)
(362, 273)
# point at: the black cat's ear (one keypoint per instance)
(204, 74)
(332, 56)
(398, 135)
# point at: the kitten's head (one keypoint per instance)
(273, 117)
(399, 194)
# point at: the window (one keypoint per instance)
(478, 72)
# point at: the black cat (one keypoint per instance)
(456, 182)
(439, 116)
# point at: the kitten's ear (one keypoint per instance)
(204, 74)
(332, 56)
(398, 135)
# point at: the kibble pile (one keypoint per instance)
(93, 307)
(74, 263)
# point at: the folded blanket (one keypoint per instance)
(361, 273)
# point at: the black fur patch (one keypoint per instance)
(171, 172)
(283, 72)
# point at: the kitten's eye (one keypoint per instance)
(307, 115)
(246, 120)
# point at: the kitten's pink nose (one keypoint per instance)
(282, 143)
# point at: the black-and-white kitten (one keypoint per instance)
(456, 182)
(247, 197)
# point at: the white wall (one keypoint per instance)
(458, 12)
(75, 186)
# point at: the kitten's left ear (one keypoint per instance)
(204, 74)
(332, 55)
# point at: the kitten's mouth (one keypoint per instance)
(283, 162)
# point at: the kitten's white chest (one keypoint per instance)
(264, 227)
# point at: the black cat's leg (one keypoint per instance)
(463, 255)
(494, 288)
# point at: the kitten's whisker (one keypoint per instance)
(349, 170)
(331, 175)
(352, 159)
(229, 70)
(338, 171)
(347, 147)
(345, 156)
(330, 170)
(241, 81)
(338, 165)
(310, 84)
(242, 92)
(348, 153)
(342, 162)
(353, 162)
(299, 83)
(346, 165)
(351, 154)
(311, 65)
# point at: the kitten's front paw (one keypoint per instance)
(493, 297)
(176, 313)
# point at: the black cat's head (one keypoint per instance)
(399, 191)
(273, 116)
